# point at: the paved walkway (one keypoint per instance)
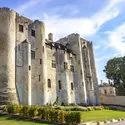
(117, 123)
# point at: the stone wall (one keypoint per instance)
(113, 100)
(22, 52)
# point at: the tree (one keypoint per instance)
(115, 71)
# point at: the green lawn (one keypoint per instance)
(4, 120)
(101, 115)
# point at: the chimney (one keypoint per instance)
(50, 36)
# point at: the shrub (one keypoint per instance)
(25, 110)
(51, 114)
(33, 111)
(12, 109)
(57, 116)
(73, 117)
(61, 118)
(47, 113)
(58, 108)
(43, 112)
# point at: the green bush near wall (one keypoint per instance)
(68, 115)
(33, 111)
(44, 113)
(73, 117)
(13, 109)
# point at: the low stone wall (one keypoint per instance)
(113, 100)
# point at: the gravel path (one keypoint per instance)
(117, 123)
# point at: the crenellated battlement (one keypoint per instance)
(6, 12)
(22, 19)
(5, 9)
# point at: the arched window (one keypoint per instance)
(49, 83)
(71, 86)
(59, 82)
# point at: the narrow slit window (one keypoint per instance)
(49, 83)
(43, 49)
(39, 77)
(40, 61)
(71, 86)
(60, 85)
(29, 67)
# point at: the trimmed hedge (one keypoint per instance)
(13, 109)
(73, 117)
(52, 114)
(44, 113)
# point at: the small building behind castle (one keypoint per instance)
(107, 90)
(35, 70)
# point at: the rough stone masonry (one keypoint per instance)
(36, 71)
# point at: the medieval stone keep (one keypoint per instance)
(35, 70)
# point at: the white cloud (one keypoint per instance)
(96, 47)
(84, 26)
(22, 8)
(116, 39)
(102, 58)
(69, 8)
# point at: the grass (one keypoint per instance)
(101, 115)
(5, 120)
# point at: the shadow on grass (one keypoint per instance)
(25, 119)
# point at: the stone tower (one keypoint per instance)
(40, 62)
(7, 56)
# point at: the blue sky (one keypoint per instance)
(100, 21)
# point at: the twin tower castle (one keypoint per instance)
(37, 71)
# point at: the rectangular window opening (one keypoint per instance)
(65, 66)
(21, 29)
(72, 68)
(53, 64)
(33, 33)
(32, 54)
